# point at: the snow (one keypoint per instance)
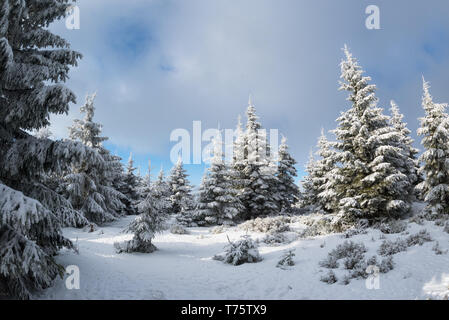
(183, 267)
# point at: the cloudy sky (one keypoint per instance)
(159, 65)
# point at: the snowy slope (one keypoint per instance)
(183, 268)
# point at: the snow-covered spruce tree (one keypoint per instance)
(287, 189)
(88, 187)
(218, 200)
(161, 192)
(238, 157)
(116, 201)
(46, 191)
(33, 65)
(149, 221)
(328, 174)
(181, 198)
(152, 208)
(371, 184)
(118, 181)
(130, 185)
(86, 130)
(318, 192)
(308, 197)
(410, 166)
(407, 161)
(144, 184)
(162, 188)
(435, 158)
(259, 172)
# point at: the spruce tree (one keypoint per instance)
(286, 171)
(145, 226)
(116, 201)
(435, 158)
(118, 182)
(152, 208)
(319, 194)
(162, 188)
(34, 64)
(88, 187)
(86, 130)
(328, 174)
(238, 157)
(371, 186)
(410, 167)
(309, 193)
(181, 198)
(161, 192)
(48, 193)
(218, 200)
(144, 185)
(130, 185)
(259, 173)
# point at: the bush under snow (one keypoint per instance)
(267, 225)
(354, 261)
(240, 252)
(419, 238)
(286, 259)
(319, 224)
(393, 226)
(389, 247)
(178, 229)
(276, 239)
(329, 278)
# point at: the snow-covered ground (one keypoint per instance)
(183, 268)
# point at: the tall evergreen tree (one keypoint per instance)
(34, 63)
(88, 187)
(218, 198)
(410, 166)
(287, 189)
(118, 181)
(396, 121)
(131, 184)
(406, 161)
(47, 192)
(435, 158)
(144, 186)
(319, 183)
(238, 157)
(180, 189)
(162, 188)
(309, 193)
(372, 184)
(328, 174)
(259, 179)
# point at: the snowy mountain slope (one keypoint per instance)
(183, 268)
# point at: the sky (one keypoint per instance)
(159, 65)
